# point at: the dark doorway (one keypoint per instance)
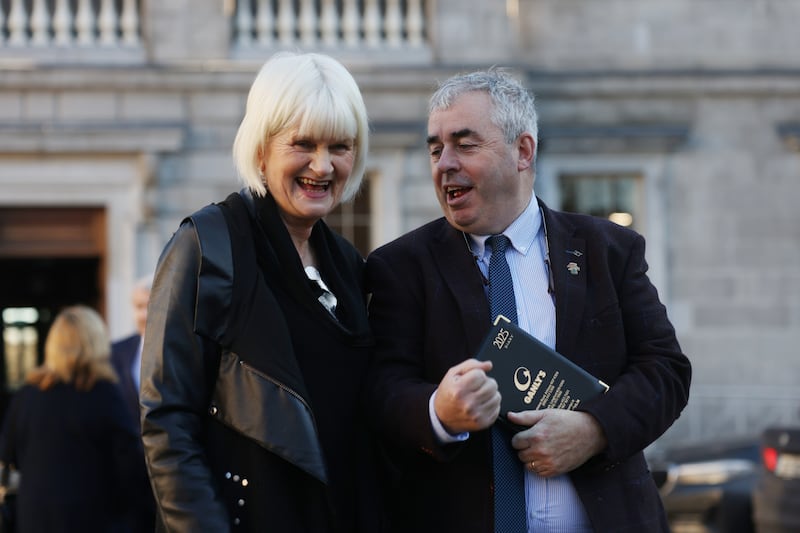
(49, 258)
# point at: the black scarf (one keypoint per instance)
(339, 264)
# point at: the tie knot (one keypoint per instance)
(499, 243)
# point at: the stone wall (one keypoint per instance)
(701, 97)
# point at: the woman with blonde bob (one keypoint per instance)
(77, 351)
(257, 335)
(69, 434)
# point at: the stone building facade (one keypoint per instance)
(683, 114)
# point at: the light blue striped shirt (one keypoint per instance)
(553, 503)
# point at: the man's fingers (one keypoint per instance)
(469, 365)
(525, 418)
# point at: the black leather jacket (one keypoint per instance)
(226, 420)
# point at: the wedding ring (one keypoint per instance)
(531, 465)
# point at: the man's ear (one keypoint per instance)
(527, 149)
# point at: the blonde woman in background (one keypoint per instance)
(69, 434)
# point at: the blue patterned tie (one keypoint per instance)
(509, 488)
(501, 286)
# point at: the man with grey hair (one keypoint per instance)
(126, 357)
(126, 353)
(575, 282)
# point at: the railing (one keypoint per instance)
(342, 25)
(69, 23)
(102, 30)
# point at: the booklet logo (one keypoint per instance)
(527, 383)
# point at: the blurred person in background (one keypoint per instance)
(257, 333)
(70, 436)
(126, 357)
(126, 353)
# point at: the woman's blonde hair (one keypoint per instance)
(311, 92)
(77, 351)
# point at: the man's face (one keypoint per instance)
(140, 298)
(479, 178)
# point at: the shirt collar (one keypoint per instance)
(522, 232)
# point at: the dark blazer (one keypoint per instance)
(77, 454)
(142, 517)
(123, 352)
(429, 312)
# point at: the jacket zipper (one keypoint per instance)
(291, 391)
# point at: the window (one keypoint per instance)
(602, 184)
(613, 196)
(352, 219)
(21, 343)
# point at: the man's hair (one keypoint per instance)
(513, 108)
(311, 92)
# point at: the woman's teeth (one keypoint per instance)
(308, 183)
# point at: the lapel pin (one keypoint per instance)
(573, 268)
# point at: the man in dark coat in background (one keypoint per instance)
(126, 357)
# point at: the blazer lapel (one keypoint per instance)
(568, 261)
(462, 277)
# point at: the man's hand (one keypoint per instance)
(467, 399)
(557, 440)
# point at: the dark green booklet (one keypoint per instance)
(531, 375)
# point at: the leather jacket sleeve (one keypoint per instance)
(178, 371)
